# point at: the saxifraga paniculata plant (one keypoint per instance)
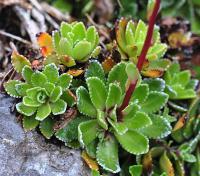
(71, 44)
(42, 94)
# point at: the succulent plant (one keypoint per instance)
(101, 135)
(71, 44)
(130, 38)
(179, 84)
(41, 92)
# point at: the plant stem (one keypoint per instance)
(141, 58)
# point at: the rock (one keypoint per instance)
(27, 153)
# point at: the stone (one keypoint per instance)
(29, 154)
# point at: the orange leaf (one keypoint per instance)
(75, 72)
(108, 64)
(153, 73)
(180, 123)
(89, 161)
(45, 43)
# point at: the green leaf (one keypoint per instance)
(38, 79)
(119, 127)
(43, 112)
(51, 72)
(30, 123)
(65, 28)
(25, 110)
(114, 95)
(69, 98)
(130, 111)
(56, 93)
(46, 127)
(70, 132)
(87, 132)
(182, 93)
(101, 119)
(10, 88)
(27, 101)
(135, 170)
(97, 91)
(182, 78)
(155, 84)
(138, 121)
(133, 142)
(65, 47)
(132, 72)
(118, 74)
(64, 81)
(27, 73)
(95, 70)
(141, 93)
(140, 29)
(154, 102)
(159, 128)
(84, 103)
(79, 31)
(91, 36)
(19, 61)
(78, 53)
(49, 87)
(58, 107)
(56, 40)
(107, 155)
(22, 88)
(32, 93)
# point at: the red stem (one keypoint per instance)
(141, 58)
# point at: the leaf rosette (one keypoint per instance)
(72, 43)
(133, 128)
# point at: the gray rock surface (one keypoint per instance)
(27, 153)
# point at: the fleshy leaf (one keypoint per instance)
(107, 155)
(65, 47)
(70, 132)
(30, 123)
(135, 170)
(38, 79)
(138, 121)
(19, 61)
(45, 43)
(27, 73)
(95, 70)
(97, 91)
(79, 31)
(159, 128)
(130, 111)
(154, 102)
(90, 162)
(132, 72)
(49, 87)
(46, 127)
(22, 88)
(79, 53)
(118, 74)
(25, 110)
(51, 72)
(87, 132)
(156, 84)
(64, 81)
(141, 93)
(101, 119)
(58, 107)
(114, 95)
(84, 103)
(119, 127)
(10, 88)
(43, 111)
(27, 101)
(56, 93)
(166, 165)
(133, 142)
